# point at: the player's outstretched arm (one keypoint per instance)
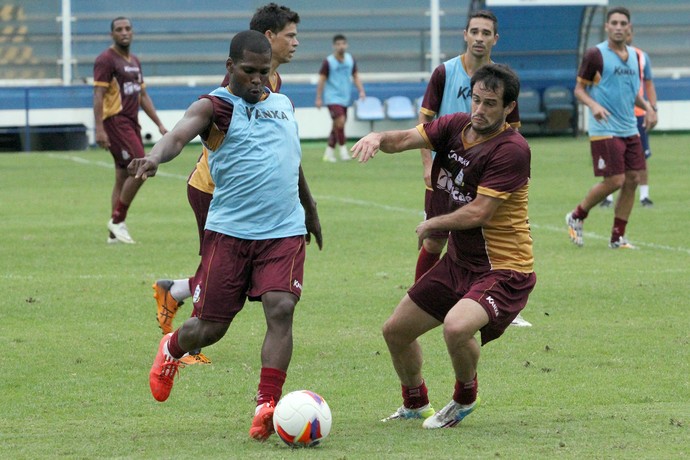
(387, 142)
(195, 121)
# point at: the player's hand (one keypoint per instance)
(650, 119)
(102, 140)
(142, 168)
(427, 176)
(423, 230)
(600, 113)
(366, 147)
(162, 130)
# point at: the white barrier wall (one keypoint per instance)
(314, 123)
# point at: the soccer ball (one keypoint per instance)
(302, 419)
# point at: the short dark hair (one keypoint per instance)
(494, 76)
(339, 37)
(119, 18)
(272, 17)
(618, 10)
(486, 14)
(248, 40)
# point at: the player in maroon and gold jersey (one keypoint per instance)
(119, 91)
(481, 175)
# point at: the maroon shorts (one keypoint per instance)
(337, 111)
(435, 207)
(124, 135)
(233, 269)
(616, 155)
(200, 202)
(502, 293)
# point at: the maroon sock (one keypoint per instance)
(340, 135)
(415, 397)
(465, 393)
(270, 385)
(618, 229)
(580, 213)
(174, 347)
(425, 260)
(120, 212)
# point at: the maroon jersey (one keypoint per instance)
(498, 167)
(123, 79)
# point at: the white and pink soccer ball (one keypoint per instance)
(302, 419)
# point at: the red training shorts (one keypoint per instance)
(616, 155)
(502, 293)
(233, 269)
(124, 135)
(337, 111)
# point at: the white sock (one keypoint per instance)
(644, 192)
(180, 289)
(166, 351)
(610, 197)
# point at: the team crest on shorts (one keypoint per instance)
(601, 163)
(197, 293)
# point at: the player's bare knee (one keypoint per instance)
(394, 335)
(616, 182)
(280, 309)
(388, 332)
(632, 178)
(457, 332)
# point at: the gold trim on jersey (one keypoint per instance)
(507, 234)
(112, 100)
(200, 178)
(215, 138)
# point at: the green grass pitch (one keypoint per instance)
(603, 373)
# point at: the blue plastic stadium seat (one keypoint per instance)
(369, 109)
(400, 108)
(529, 103)
(559, 105)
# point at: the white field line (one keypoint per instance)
(385, 207)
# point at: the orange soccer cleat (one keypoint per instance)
(262, 425)
(166, 307)
(163, 372)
